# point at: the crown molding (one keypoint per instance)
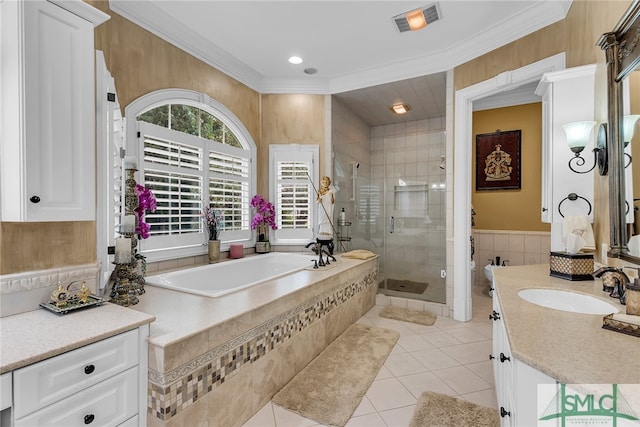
(150, 17)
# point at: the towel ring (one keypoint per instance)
(573, 197)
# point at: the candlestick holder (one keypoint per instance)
(129, 282)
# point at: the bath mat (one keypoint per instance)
(330, 388)
(405, 286)
(406, 315)
(439, 410)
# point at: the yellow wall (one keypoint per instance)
(512, 209)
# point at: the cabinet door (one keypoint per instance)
(47, 114)
(59, 118)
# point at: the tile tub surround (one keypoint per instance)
(570, 347)
(249, 343)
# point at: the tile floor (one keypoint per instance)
(449, 357)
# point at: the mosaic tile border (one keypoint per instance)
(171, 392)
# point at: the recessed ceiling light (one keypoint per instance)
(416, 19)
(295, 60)
(400, 108)
(310, 71)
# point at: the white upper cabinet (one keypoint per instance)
(47, 116)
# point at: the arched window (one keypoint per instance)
(191, 152)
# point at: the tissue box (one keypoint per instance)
(571, 266)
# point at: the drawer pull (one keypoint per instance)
(89, 369)
(494, 316)
(88, 419)
(503, 358)
(504, 412)
(491, 357)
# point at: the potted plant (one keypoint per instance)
(264, 217)
(213, 220)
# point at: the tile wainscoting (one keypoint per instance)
(518, 247)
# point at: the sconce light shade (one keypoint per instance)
(628, 127)
(578, 134)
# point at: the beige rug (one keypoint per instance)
(330, 388)
(439, 410)
(406, 315)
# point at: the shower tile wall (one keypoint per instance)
(351, 142)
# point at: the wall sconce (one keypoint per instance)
(578, 134)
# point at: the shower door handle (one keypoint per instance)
(392, 224)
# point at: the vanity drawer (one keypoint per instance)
(51, 380)
(111, 402)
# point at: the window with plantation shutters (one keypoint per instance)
(191, 158)
(292, 174)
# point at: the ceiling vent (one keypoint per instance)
(431, 14)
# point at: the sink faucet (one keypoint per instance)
(614, 281)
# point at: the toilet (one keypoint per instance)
(488, 272)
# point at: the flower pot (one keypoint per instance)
(214, 251)
(262, 247)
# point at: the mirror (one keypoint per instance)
(622, 50)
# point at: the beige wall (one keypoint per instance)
(289, 119)
(512, 209)
(140, 62)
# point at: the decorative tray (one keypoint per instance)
(72, 304)
(608, 322)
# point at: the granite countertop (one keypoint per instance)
(572, 348)
(40, 334)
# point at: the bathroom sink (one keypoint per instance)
(567, 301)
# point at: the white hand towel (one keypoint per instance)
(579, 225)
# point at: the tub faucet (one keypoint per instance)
(614, 281)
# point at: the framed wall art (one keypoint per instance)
(498, 160)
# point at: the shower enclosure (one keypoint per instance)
(395, 201)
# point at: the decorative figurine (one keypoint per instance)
(84, 293)
(60, 296)
(326, 200)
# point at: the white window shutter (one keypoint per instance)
(110, 145)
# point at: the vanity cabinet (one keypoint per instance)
(567, 96)
(103, 383)
(47, 110)
(516, 382)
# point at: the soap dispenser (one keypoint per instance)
(343, 217)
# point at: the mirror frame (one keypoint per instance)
(622, 51)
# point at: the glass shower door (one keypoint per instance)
(414, 212)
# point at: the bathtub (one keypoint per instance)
(223, 278)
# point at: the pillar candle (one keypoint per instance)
(128, 224)
(236, 250)
(123, 250)
(130, 162)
